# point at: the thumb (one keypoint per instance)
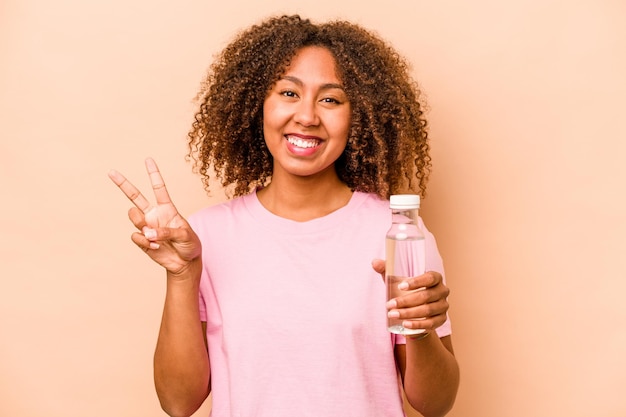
(379, 266)
(183, 238)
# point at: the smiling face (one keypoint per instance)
(306, 116)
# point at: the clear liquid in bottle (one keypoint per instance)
(405, 257)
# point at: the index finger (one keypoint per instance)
(130, 191)
(426, 280)
(158, 184)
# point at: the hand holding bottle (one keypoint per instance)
(424, 309)
(163, 233)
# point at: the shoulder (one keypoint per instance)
(217, 213)
(368, 211)
(369, 202)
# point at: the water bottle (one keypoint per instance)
(405, 251)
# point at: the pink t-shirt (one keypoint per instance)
(296, 318)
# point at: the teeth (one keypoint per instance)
(302, 143)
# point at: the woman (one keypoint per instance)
(310, 128)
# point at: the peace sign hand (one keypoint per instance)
(164, 234)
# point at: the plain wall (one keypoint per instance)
(526, 197)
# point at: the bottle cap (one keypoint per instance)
(404, 201)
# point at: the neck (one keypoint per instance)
(303, 199)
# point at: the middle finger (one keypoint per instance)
(158, 184)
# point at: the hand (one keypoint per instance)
(164, 234)
(422, 309)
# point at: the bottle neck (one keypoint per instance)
(404, 215)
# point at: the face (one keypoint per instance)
(306, 116)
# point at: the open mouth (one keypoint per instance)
(303, 142)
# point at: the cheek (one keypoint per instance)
(274, 116)
(343, 125)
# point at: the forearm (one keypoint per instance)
(181, 361)
(431, 377)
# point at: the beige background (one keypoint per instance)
(527, 104)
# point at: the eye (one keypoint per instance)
(330, 100)
(288, 93)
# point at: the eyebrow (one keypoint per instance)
(326, 86)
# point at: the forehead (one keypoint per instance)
(313, 62)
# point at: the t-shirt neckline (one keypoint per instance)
(281, 224)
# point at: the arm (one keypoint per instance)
(429, 370)
(181, 361)
(430, 374)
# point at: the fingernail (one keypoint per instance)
(403, 285)
(149, 233)
(154, 245)
(391, 304)
(393, 314)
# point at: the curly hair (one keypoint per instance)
(387, 150)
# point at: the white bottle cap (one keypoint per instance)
(404, 201)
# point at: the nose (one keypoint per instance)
(306, 113)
